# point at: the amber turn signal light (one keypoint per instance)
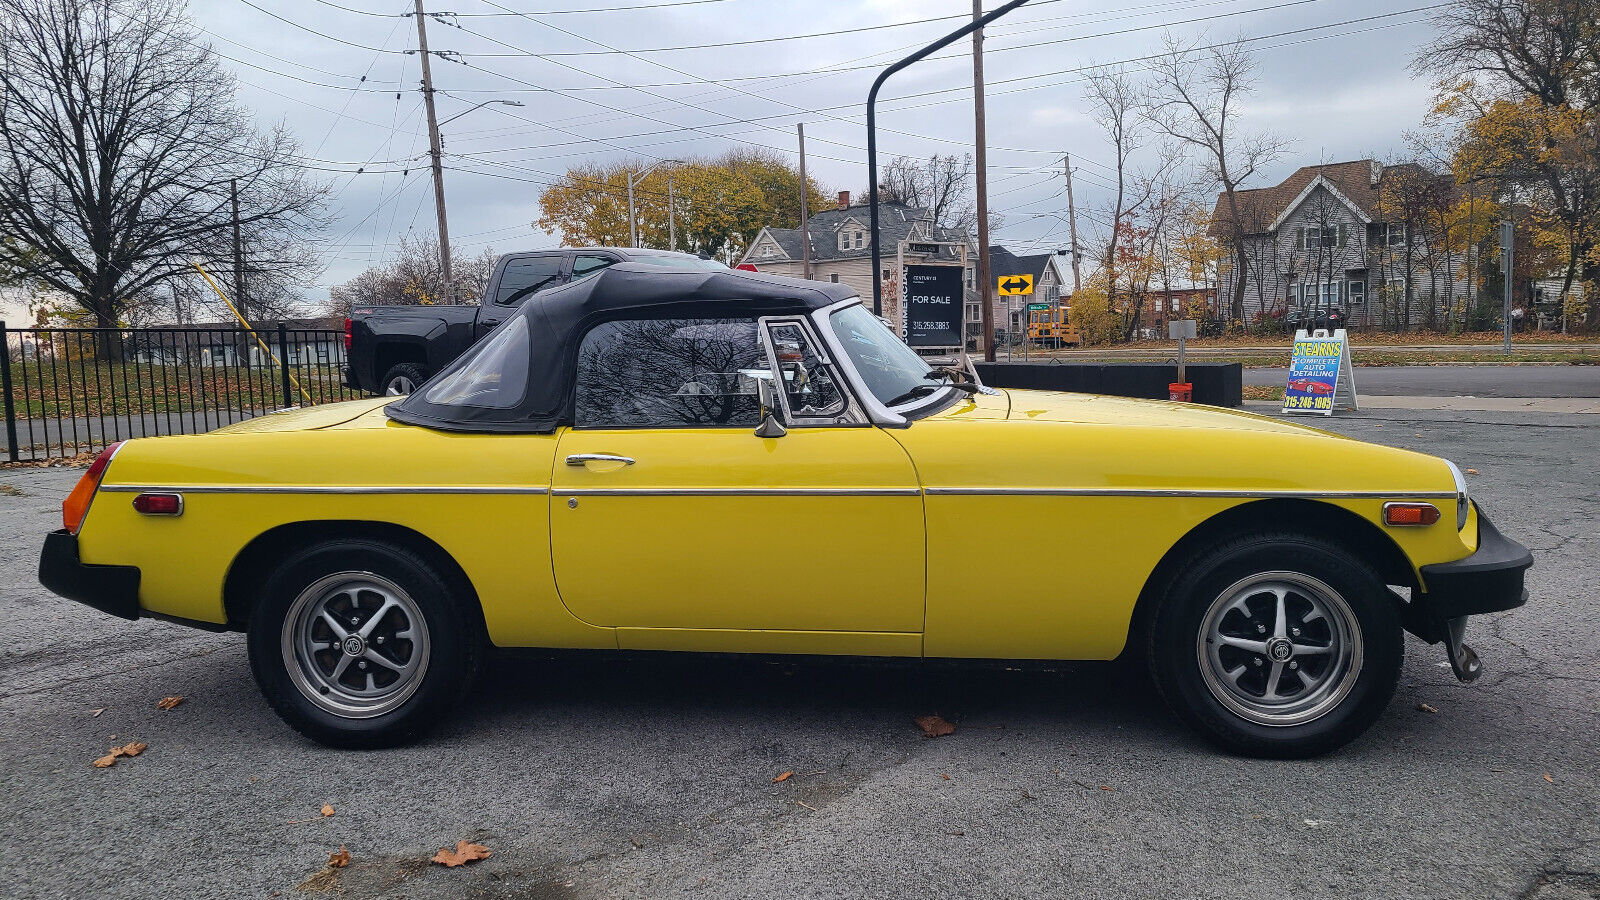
(159, 504)
(76, 506)
(1410, 514)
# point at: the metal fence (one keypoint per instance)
(70, 391)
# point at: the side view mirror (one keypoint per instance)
(770, 427)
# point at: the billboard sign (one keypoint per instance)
(933, 306)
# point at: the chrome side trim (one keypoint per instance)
(737, 492)
(325, 489)
(1162, 492)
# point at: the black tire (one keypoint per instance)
(449, 653)
(1189, 679)
(402, 374)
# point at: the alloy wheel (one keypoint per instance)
(1279, 648)
(355, 644)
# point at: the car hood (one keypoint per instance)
(1097, 409)
(307, 418)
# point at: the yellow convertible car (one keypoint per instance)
(729, 462)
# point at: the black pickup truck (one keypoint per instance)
(394, 349)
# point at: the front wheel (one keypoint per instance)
(359, 643)
(1277, 644)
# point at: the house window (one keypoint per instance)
(1395, 235)
(1320, 237)
(834, 277)
(1357, 291)
(1322, 294)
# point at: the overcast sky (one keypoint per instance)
(1341, 92)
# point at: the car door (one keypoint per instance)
(668, 512)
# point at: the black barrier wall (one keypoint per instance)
(1215, 384)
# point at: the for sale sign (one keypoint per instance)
(933, 304)
(1318, 369)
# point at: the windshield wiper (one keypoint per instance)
(949, 375)
(912, 394)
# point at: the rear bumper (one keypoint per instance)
(1490, 580)
(110, 589)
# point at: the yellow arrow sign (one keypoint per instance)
(1014, 285)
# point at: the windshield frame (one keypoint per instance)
(899, 416)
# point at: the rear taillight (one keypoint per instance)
(347, 334)
(76, 506)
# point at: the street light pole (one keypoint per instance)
(633, 217)
(436, 151)
(872, 135)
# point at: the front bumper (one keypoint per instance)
(1490, 580)
(110, 589)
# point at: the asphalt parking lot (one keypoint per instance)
(599, 777)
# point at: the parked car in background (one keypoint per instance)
(392, 350)
(738, 463)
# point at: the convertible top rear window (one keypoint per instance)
(495, 378)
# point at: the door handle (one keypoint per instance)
(578, 459)
(489, 322)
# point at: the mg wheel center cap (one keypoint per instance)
(1279, 649)
(353, 645)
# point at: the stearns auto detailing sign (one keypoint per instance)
(933, 306)
(1320, 363)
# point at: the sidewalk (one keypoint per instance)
(1553, 405)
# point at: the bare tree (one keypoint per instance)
(940, 184)
(1539, 48)
(413, 277)
(1195, 101)
(1115, 98)
(119, 143)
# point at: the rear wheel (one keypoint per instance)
(1277, 644)
(361, 644)
(402, 379)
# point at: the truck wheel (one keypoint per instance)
(359, 643)
(1277, 644)
(402, 379)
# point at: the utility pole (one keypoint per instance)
(980, 140)
(1507, 246)
(1072, 225)
(436, 150)
(672, 221)
(805, 214)
(238, 253)
(633, 217)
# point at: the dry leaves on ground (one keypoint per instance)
(1427, 708)
(327, 810)
(783, 777)
(339, 859)
(168, 702)
(133, 748)
(934, 726)
(1548, 778)
(465, 852)
(95, 713)
(1472, 471)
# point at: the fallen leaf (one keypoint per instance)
(934, 726)
(134, 748)
(339, 859)
(106, 762)
(1427, 708)
(95, 713)
(637, 844)
(945, 776)
(783, 777)
(1107, 787)
(168, 702)
(1419, 434)
(1472, 471)
(327, 810)
(464, 853)
(1548, 778)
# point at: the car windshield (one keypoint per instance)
(673, 260)
(893, 372)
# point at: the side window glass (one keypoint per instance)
(496, 378)
(523, 278)
(810, 385)
(583, 265)
(669, 373)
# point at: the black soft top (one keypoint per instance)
(556, 320)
